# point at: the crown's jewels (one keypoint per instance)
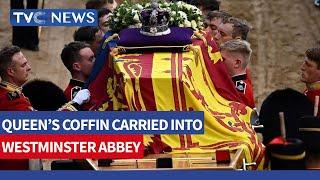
(155, 21)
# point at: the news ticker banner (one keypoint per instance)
(95, 122)
(71, 146)
(53, 17)
(88, 134)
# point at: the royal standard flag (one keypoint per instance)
(186, 81)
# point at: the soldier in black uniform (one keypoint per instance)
(25, 36)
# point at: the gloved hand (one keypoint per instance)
(82, 96)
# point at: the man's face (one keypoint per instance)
(213, 26)
(309, 71)
(19, 71)
(111, 6)
(86, 62)
(103, 24)
(224, 33)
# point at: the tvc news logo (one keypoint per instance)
(53, 17)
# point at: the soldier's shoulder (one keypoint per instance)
(10, 93)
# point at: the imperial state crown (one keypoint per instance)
(155, 21)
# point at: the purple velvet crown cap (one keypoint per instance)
(177, 37)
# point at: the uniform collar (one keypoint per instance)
(10, 86)
(76, 82)
(239, 77)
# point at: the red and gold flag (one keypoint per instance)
(187, 81)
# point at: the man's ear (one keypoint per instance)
(238, 38)
(237, 63)
(76, 66)
(10, 72)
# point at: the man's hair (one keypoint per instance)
(224, 16)
(97, 4)
(85, 34)
(71, 53)
(102, 12)
(6, 55)
(240, 28)
(313, 54)
(210, 5)
(218, 14)
(238, 46)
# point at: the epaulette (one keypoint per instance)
(14, 92)
(10, 87)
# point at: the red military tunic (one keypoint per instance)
(243, 85)
(71, 91)
(312, 91)
(12, 99)
(73, 88)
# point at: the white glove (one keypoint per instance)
(82, 96)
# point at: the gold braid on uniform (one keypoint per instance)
(10, 86)
(110, 38)
(68, 106)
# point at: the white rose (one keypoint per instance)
(131, 26)
(138, 25)
(194, 8)
(167, 9)
(139, 7)
(136, 17)
(193, 24)
(183, 14)
(187, 23)
(188, 6)
(118, 14)
(116, 20)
